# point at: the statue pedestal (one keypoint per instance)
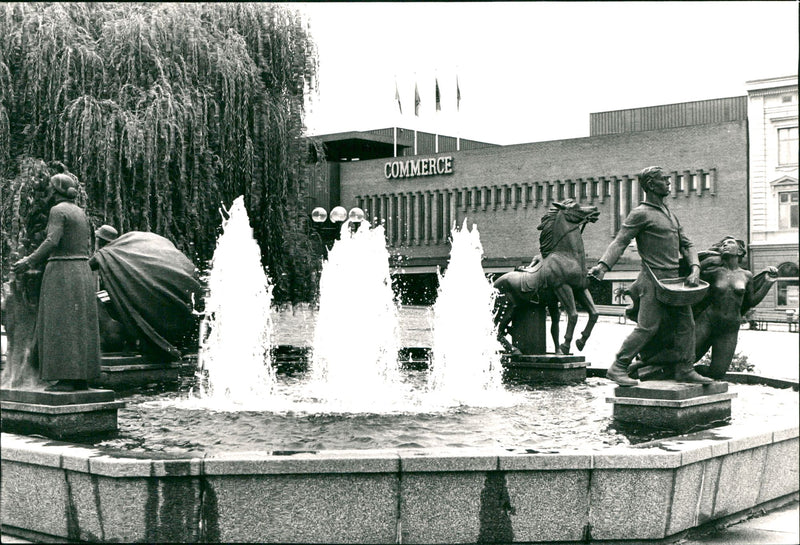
(552, 368)
(120, 371)
(668, 405)
(59, 415)
(528, 328)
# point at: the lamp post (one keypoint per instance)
(356, 216)
(329, 226)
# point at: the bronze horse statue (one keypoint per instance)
(559, 276)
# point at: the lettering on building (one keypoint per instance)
(431, 166)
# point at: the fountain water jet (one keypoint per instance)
(465, 364)
(354, 360)
(235, 334)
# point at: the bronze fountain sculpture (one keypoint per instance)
(558, 276)
(733, 292)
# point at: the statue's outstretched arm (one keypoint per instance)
(709, 264)
(758, 287)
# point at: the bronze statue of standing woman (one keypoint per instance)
(67, 336)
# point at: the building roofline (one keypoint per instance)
(373, 136)
(667, 105)
(353, 135)
(781, 81)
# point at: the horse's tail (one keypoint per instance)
(501, 283)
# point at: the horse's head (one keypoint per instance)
(573, 212)
(563, 225)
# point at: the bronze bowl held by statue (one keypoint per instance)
(675, 292)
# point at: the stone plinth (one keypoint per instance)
(675, 406)
(528, 329)
(119, 371)
(59, 415)
(552, 368)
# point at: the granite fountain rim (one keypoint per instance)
(669, 452)
(665, 453)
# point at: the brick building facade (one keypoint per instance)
(505, 190)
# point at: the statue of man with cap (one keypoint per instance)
(661, 242)
(103, 235)
(67, 332)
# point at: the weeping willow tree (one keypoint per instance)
(165, 112)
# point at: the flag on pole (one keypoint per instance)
(438, 109)
(458, 108)
(416, 100)
(397, 98)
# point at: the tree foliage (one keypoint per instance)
(165, 112)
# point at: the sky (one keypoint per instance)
(534, 71)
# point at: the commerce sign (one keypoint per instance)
(418, 167)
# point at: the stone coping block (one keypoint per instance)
(192, 467)
(30, 450)
(750, 378)
(668, 389)
(121, 359)
(672, 403)
(113, 466)
(61, 409)
(276, 463)
(122, 368)
(76, 458)
(73, 457)
(41, 397)
(786, 433)
(545, 365)
(663, 453)
(714, 442)
(450, 459)
(695, 449)
(636, 458)
(542, 358)
(524, 460)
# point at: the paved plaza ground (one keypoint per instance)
(781, 526)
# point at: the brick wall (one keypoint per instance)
(508, 229)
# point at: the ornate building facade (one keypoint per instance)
(773, 173)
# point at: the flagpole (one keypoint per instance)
(458, 111)
(438, 106)
(416, 111)
(399, 115)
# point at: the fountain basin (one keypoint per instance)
(549, 417)
(438, 495)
